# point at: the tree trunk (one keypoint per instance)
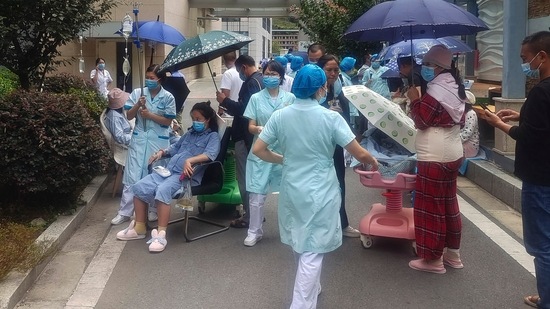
(24, 80)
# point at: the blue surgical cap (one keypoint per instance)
(282, 60)
(308, 80)
(289, 57)
(296, 63)
(347, 64)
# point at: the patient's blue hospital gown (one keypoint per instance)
(189, 145)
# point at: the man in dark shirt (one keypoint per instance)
(253, 82)
(532, 163)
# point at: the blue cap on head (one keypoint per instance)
(282, 60)
(347, 64)
(289, 57)
(296, 63)
(308, 80)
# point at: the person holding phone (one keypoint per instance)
(531, 165)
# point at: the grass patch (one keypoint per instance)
(19, 251)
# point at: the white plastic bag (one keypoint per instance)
(185, 201)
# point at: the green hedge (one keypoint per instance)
(50, 149)
(8, 82)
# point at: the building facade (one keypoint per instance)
(259, 29)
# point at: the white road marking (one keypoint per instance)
(93, 281)
(511, 246)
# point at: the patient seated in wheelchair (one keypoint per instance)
(198, 145)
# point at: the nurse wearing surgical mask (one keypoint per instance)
(101, 77)
(309, 199)
(154, 110)
(261, 176)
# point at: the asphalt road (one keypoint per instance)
(219, 272)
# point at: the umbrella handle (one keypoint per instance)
(207, 63)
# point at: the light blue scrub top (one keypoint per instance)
(263, 176)
(378, 84)
(309, 200)
(148, 137)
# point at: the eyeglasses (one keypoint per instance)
(332, 70)
(273, 74)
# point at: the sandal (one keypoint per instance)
(531, 300)
(239, 223)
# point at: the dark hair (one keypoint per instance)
(276, 67)
(326, 58)
(208, 113)
(155, 68)
(230, 56)
(315, 47)
(119, 110)
(98, 60)
(456, 74)
(538, 41)
(404, 61)
(245, 60)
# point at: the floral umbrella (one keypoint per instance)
(203, 48)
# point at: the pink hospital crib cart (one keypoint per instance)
(390, 220)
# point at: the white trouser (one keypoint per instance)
(308, 280)
(257, 202)
(127, 202)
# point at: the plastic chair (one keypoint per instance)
(212, 182)
(118, 151)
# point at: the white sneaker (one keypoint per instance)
(119, 219)
(351, 232)
(152, 216)
(250, 241)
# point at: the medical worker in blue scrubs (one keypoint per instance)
(309, 199)
(154, 110)
(261, 176)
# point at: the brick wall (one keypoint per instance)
(539, 8)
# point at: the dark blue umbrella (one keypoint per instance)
(420, 47)
(160, 32)
(157, 31)
(400, 20)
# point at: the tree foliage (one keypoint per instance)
(31, 31)
(325, 21)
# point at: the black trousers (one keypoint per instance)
(340, 167)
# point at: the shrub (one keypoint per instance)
(8, 82)
(19, 250)
(50, 148)
(85, 91)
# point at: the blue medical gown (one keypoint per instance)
(309, 199)
(263, 176)
(148, 137)
(377, 83)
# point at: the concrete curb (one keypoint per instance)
(16, 284)
(496, 181)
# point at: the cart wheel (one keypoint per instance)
(366, 241)
(202, 207)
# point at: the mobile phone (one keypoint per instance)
(483, 105)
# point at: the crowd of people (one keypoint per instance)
(291, 128)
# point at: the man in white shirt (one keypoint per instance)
(231, 82)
